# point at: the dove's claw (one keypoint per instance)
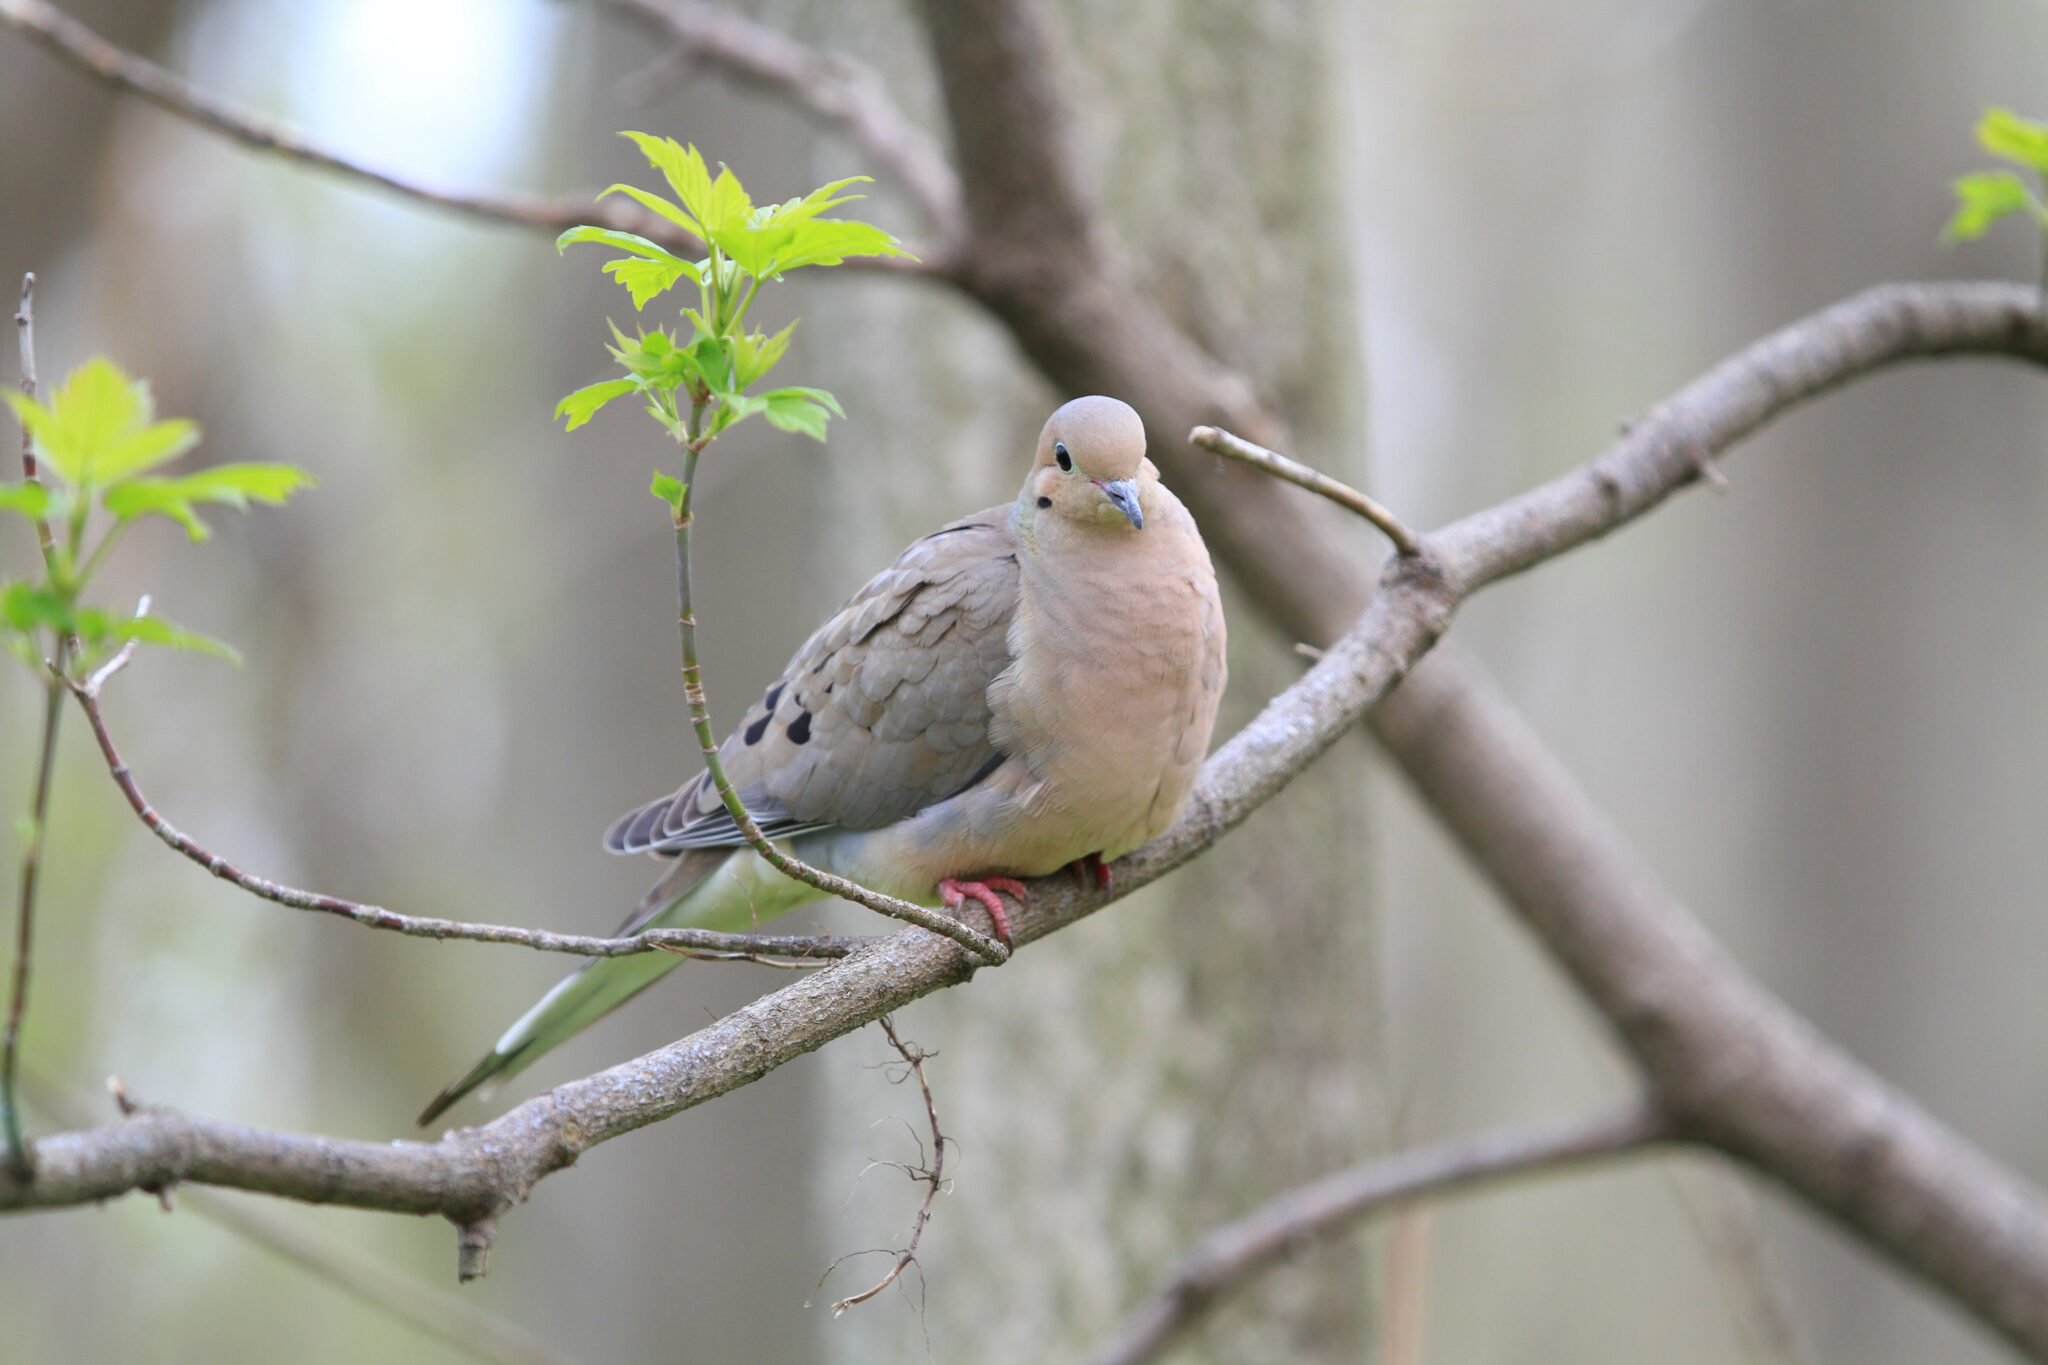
(956, 893)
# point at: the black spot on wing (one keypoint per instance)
(800, 729)
(768, 702)
(757, 729)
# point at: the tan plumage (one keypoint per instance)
(1020, 689)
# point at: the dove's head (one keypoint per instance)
(1091, 467)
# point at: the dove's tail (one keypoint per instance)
(725, 889)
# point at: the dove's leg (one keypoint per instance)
(955, 893)
(1092, 870)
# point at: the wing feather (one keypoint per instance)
(882, 712)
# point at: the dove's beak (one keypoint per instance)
(1123, 495)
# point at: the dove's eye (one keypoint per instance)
(1059, 452)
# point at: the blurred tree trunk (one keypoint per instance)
(1121, 1088)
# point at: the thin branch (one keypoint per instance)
(25, 347)
(19, 1159)
(932, 1177)
(973, 940)
(831, 87)
(105, 672)
(689, 942)
(1220, 442)
(87, 51)
(1280, 1228)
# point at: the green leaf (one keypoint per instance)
(646, 280)
(649, 270)
(580, 406)
(754, 248)
(753, 356)
(1984, 198)
(775, 250)
(800, 410)
(650, 200)
(713, 201)
(712, 360)
(814, 203)
(148, 497)
(686, 173)
(2001, 132)
(93, 626)
(97, 426)
(232, 484)
(624, 241)
(670, 490)
(154, 630)
(828, 241)
(29, 606)
(30, 499)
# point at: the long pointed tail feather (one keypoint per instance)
(728, 889)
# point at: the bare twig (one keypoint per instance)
(829, 86)
(1220, 442)
(1724, 1214)
(105, 672)
(25, 346)
(18, 1156)
(89, 52)
(19, 1160)
(689, 942)
(973, 940)
(932, 1177)
(1237, 1251)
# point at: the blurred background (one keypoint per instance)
(1456, 242)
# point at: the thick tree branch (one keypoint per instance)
(1278, 1229)
(1735, 1067)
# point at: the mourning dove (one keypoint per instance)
(1029, 687)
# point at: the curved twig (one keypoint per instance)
(1217, 441)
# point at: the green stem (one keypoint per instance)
(977, 943)
(18, 1161)
(739, 318)
(99, 552)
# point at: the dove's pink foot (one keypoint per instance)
(1092, 871)
(955, 893)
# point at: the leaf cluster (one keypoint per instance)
(97, 443)
(699, 380)
(1984, 197)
